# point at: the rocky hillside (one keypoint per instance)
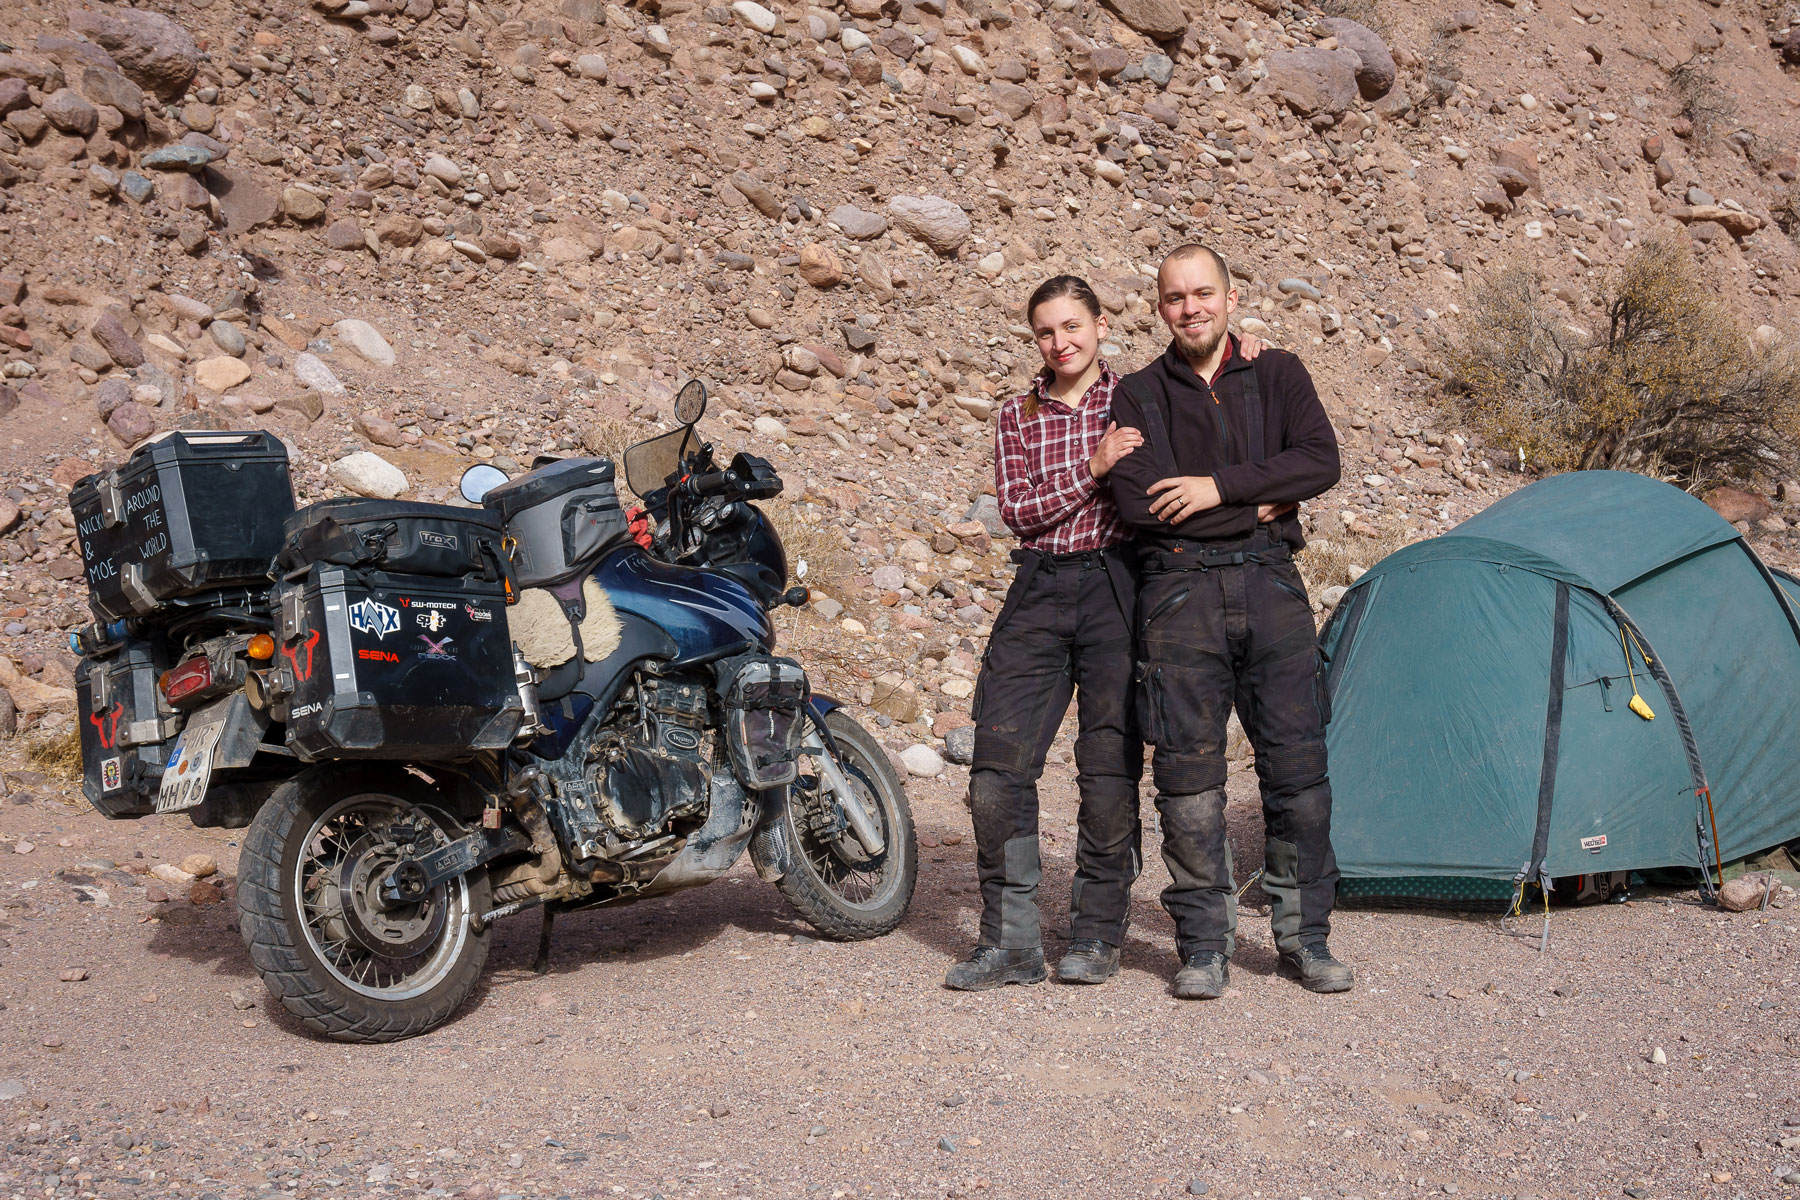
(442, 231)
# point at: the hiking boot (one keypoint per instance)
(1316, 970)
(993, 966)
(1089, 960)
(1203, 976)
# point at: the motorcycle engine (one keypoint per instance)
(645, 779)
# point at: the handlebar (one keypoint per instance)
(709, 484)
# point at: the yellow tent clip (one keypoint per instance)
(1638, 705)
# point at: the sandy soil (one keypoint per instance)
(704, 1045)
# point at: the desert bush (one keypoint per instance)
(1327, 561)
(1669, 384)
(1703, 100)
(821, 547)
(1786, 212)
(57, 755)
(1366, 13)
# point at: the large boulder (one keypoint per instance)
(369, 475)
(1158, 19)
(1375, 75)
(154, 51)
(1314, 82)
(939, 223)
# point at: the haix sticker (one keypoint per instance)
(112, 775)
(371, 616)
(478, 614)
(1594, 845)
(431, 619)
(437, 650)
(443, 541)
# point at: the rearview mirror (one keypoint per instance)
(479, 480)
(690, 402)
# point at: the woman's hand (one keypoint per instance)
(1115, 445)
(1270, 512)
(1183, 496)
(1249, 345)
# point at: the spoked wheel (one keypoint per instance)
(841, 889)
(353, 956)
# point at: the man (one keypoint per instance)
(1230, 448)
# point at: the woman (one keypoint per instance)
(1065, 629)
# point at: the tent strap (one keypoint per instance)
(1553, 710)
(1706, 827)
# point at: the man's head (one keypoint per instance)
(1194, 297)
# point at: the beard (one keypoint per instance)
(1198, 348)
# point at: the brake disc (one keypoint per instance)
(389, 930)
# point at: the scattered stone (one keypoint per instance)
(819, 267)
(1745, 893)
(1375, 70)
(221, 374)
(315, 376)
(200, 865)
(71, 114)
(939, 223)
(119, 345)
(150, 48)
(299, 204)
(369, 475)
(1735, 505)
(856, 223)
(1312, 81)
(1159, 19)
(755, 16)
(959, 745)
(923, 761)
(177, 158)
(366, 341)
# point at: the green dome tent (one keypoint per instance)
(1482, 686)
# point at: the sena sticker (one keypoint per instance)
(443, 541)
(386, 656)
(371, 616)
(305, 710)
(431, 619)
(112, 775)
(1593, 845)
(437, 651)
(478, 614)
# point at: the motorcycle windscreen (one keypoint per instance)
(651, 463)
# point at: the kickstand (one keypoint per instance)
(542, 964)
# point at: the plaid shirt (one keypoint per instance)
(1046, 493)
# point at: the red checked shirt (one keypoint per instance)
(1047, 495)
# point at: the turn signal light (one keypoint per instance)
(261, 648)
(194, 675)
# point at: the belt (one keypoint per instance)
(1187, 555)
(1081, 560)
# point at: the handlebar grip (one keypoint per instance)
(710, 483)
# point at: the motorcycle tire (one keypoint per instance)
(841, 891)
(349, 966)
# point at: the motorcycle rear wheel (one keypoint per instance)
(843, 891)
(349, 965)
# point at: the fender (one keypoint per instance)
(822, 706)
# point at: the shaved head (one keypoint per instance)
(1195, 250)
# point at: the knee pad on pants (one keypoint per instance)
(999, 752)
(1186, 774)
(1290, 770)
(1109, 754)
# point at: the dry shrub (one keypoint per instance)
(1326, 562)
(828, 564)
(1366, 13)
(1669, 384)
(1786, 212)
(607, 437)
(58, 755)
(1703, 100)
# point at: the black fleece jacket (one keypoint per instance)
(1209, 434)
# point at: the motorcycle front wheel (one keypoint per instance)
(351, 963)
(843, 891)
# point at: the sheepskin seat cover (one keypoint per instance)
(543, 634)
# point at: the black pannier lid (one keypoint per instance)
(392, 535)
(547, 482)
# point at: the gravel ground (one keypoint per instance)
(704, 1045)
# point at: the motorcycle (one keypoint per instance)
(435, 718)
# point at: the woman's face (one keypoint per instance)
(1068, 336)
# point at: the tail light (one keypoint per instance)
(194, 675)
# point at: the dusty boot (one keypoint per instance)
(994, 966)
(1203, 976)
(1089, 960)
(1316, 970)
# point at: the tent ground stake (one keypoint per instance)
(1768, 890)
(1544, 941)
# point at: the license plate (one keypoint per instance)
(189, 768)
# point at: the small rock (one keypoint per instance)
(1658, 1058)
(959, 745)
(769, 427)
(118, 344)
(856, 223)
(755, 16)
(73, 975)
(366, 341)
(939, 223)
(200, 865)
(70, 113)
(301, 205)
(1197, 1187)
(222, 373)
(819, 266)
(177, 158)
(345, 234)
(369, 475)
(131, 422)
(315, 376)
(923, 761)
(946, 1145)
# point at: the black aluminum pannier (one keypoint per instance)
(377, 665)
(765, 717)
(190, 512)
(127, 731)
(559, 517)
(394, 536)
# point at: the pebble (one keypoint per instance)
(313, 375)
(755, 16)
(222, 373)
(366, 341)
(1198, 1187)
(769, 427)
(923, 761)
(200, 865)
(369, 474)
(1658, 1058)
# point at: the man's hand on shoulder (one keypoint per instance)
(1182, 497)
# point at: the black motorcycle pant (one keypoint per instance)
(1063, 630)
(1213, 636)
